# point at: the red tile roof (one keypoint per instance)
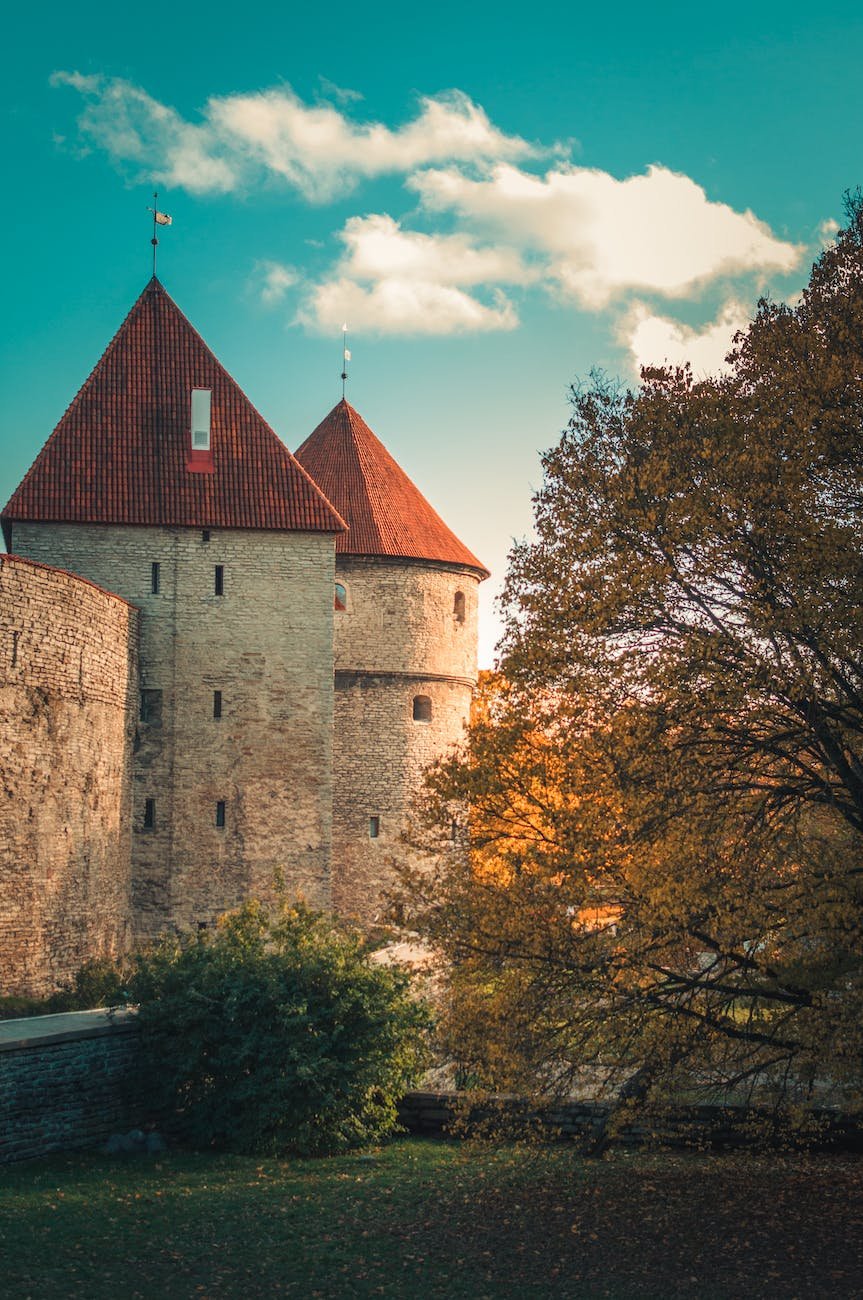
(386, 514)
(120, 454)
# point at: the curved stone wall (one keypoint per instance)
(404, 637)
(401, 617)
(68, 696)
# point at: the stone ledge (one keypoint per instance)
(38, 1031)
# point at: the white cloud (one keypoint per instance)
(397, 306)
(377, 246)
(315, 148)
(341, 94)
(656, 340)
(587, 237)
(132, 127)
(275, 280)
(392, 280)
(77, 80)
(320, 151)
(603, 237)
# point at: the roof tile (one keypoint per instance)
(386, 514)
(120, 453)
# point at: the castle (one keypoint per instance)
(218, 661)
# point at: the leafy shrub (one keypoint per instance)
(100, 982)
(14, 1007)
(274, 1033)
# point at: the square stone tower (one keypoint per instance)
(164, 485)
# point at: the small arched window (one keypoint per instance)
(422, 708)
(458, 606)
(340, 600)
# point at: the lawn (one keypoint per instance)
(434, 1219)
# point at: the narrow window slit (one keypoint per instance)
(150, 706)
(422, 708)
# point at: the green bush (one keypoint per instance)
(274, 1033)
(100, 982)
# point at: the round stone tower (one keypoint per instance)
(405, 651)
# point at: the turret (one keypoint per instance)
(405, 650)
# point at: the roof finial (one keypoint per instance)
(159, 219)
(346, 356)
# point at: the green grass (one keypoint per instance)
(433, 1219)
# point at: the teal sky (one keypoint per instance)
(495, 198)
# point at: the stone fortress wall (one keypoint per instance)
(263, 768)
(260, 733)
(68, 697)
(404, 646)
(114, 762)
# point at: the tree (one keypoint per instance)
(661, 870)
(274, 1033)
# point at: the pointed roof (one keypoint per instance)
(386, 514)
(121, 452)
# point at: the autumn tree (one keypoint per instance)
(660, 872)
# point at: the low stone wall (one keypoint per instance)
(435, 1114)
(65, 1081)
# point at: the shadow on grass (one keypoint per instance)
(437, 1219)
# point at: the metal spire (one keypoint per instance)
(346, 356)
(159, 219)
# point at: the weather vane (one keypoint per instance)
(159, 219)
(346, 356)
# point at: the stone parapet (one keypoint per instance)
(66, 1082)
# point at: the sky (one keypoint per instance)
(495, 198)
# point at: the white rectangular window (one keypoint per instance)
(201, 403)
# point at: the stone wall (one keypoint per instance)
(442, 1114)
(266, 645)
(380, 755)
(69, 1082)
(68, 692)
(401, 617)
(399, 639)
(65, 1082)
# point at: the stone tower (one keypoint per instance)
(164, 485)
(405, 649)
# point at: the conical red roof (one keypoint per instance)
(385, 513)
(120, 454)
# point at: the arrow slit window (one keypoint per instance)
(422, 708)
